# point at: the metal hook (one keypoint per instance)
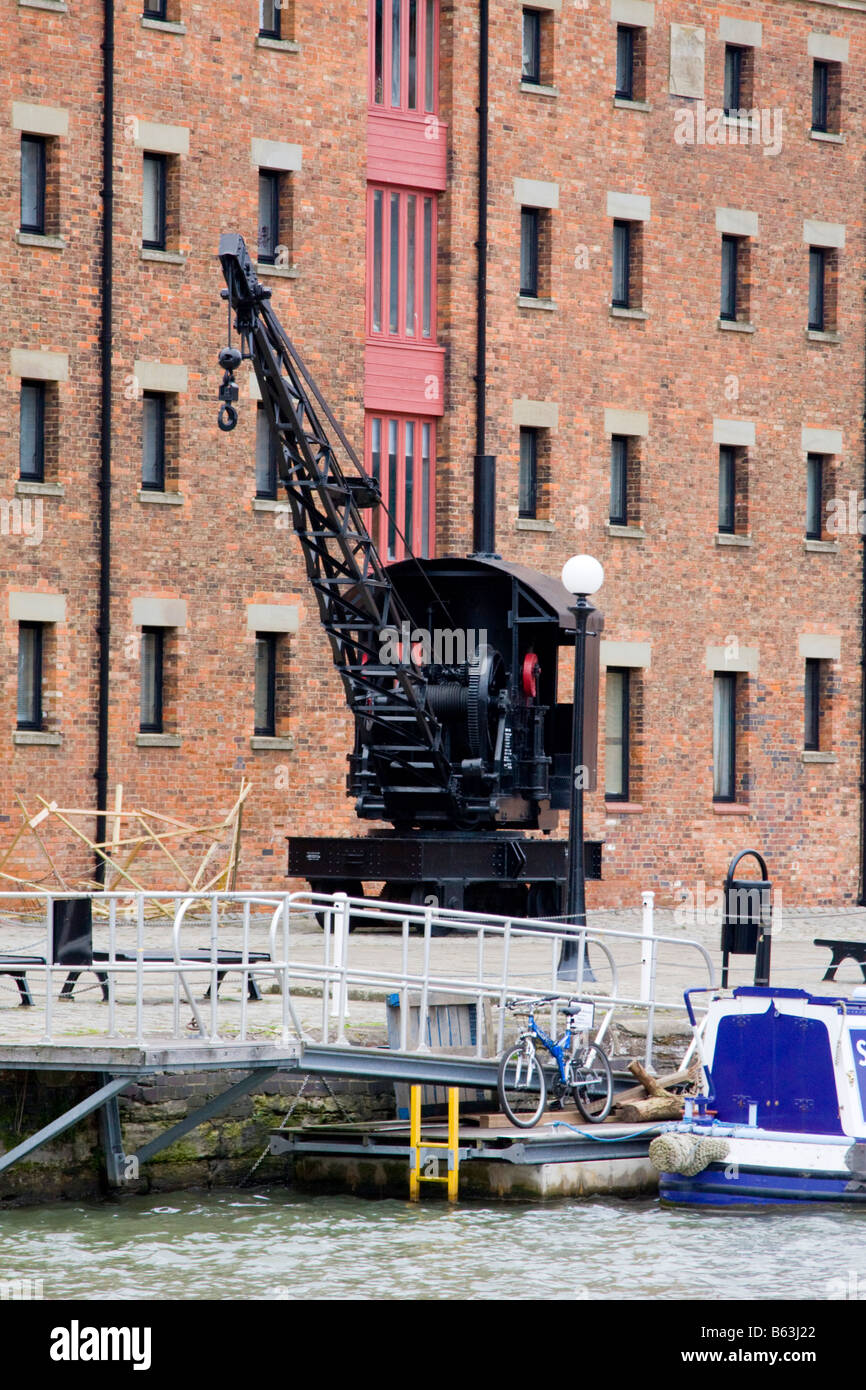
(227, 418)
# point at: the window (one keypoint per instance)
(531, 71)
(269, 216)
(153, 222)
(734, 85)
(528, 480)
(33, 161)
(616, 734)
(814, 496)
(405, 42)
(155, 9)
(727, 489)
(817, 288)
(529, 238)
(403, 274)
(624, 62)
(619, 470)
(812, 733)
(402, 458)
(269, 19)
(152, 663)
(31, 447)
(730, 267)
(153, 441)
(30, 654)
(820, 96)
(267, 454)
(266, 684)
(622, 249)
(724, 736)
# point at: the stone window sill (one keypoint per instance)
(263, 743)
(622, 808)
(149, 253)
(629, 533)
(727, 538)
(164, 26)
(730, 808)
(286, 272)
(735, 326)
(171, 499)
(533, 523)
(742, 122)
(269, 504)
(48, 243)
(827, 137)
(281, 45)
(539, 89)
(36, 737)
(616, 312)
(24, 487)
(58, 6)
(629, 104)
(822, 547)
(813, 755)
(816, 336)
(157, 741)
(525, 301)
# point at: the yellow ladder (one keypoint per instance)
(424, 1154)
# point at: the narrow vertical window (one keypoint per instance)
(153, 203)
(152, 650)
(529, 252)
(269, 19)
(814, 496)
(531, 71)
(396, 8)
(267, 453)
(619, 480)
(411, 205)
(412, 94)
(820, 96)
(616, 722)
(31, 443)
(730, 266)
(393, 428)
(153, 441)
(427, 306)
(409, 484)
(394, 264)
(266, 685)
(376, 450)
(29, 675)
(817, 288)
(812, 738)
(426, 432)
(33, 184)
(727, 489)
(379, 54)
(724, 736)
(269, 216)
(378, 253)
(155, 9)
(624, 62)
(430, 56)
(621, 272)
(527, 504)
(733, 78)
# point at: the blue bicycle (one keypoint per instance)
(582, 1071)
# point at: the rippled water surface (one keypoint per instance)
(278, 1244)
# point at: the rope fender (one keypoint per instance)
(686, 1153)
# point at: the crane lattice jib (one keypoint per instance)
(357, 601)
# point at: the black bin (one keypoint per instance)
(748, 917)
(71, 931)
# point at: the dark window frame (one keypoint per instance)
(35, 722)
(530, 238)
(624, 672)
(527, 488)
(821, 96)
(730, 777)
(727, 522)
(263, 427)
(40, 144)
(269, 179)
(619, 479)
(730, 278)
(532, 21)
(155, 9)
(276, 31)
(38, 390)
(812, 706)
(158, 398)
(625, 55)
(268, 642)
(733, 93)
(156, 726)
(815, 491)
(160, 163)
(818, 260)
(622, 246)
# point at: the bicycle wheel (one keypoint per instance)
(521, 1086)
(592, 1083)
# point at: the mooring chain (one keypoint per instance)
(285, 1120)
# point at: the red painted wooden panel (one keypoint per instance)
(407, 149)
(404, 378)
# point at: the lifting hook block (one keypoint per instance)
(227, 418)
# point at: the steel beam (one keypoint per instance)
(111, 1134)
(64, 1122)
(198, 1117)
(382, 1064)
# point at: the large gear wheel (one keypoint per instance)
(486, 678)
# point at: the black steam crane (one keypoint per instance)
(449, 667)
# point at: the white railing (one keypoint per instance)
(485, 959)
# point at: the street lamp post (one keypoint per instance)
(582, 575)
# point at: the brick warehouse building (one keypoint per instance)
(675, 384)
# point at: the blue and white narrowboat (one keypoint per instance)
(783, 1117)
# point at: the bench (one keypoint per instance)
(16, 967)
(842, 950)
